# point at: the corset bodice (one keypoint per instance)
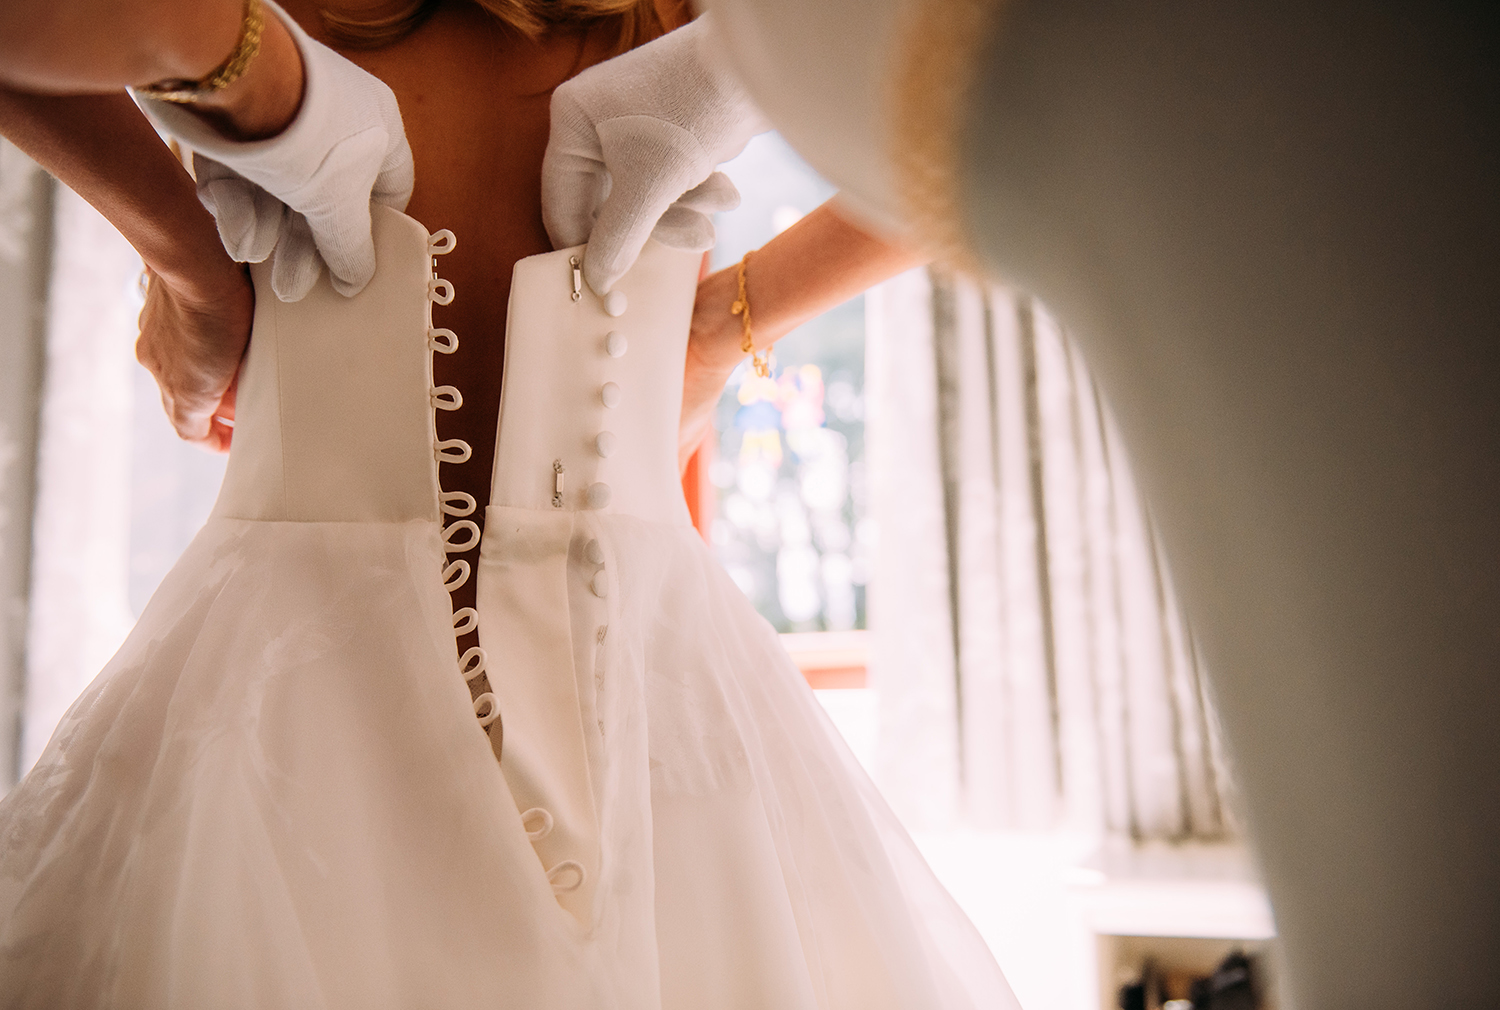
(335, 408)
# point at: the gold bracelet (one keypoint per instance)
(185, 92)
(759, 360)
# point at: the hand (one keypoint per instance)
(192, 343)
(634, 144)
(713, 351)
(304, 194)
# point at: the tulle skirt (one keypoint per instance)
(276, 795)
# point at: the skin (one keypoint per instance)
(817, 263)
(199, 303)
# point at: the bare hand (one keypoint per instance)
(192, 343)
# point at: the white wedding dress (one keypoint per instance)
(278, 793)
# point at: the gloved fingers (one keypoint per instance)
(341, 228)
(393, 185)
(574, 180)
(688, 223)
(652, 163)
(249, 218)
(573, 189)
(682, 227)
(297, 265)
(713, 195)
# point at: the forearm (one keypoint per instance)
(821, 261)
(101, 147)
(73, 46)
(83, 47)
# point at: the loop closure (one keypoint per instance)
(451, 543)
(442, 340)
(465, 621)
(561, 869)
(440, 290)
(473, 662)
(445, 397)
(491, 706)
(456, 575)
(465, 503)
(453, 450)
(537, 813)
(442, 242)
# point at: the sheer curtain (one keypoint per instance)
(1033, 667)
(26, 195)
(97, 495)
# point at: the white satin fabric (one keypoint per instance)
(277, 793)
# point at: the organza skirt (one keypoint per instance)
(276, 795)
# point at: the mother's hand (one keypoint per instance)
(192, 341)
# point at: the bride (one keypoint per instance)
(278, 792)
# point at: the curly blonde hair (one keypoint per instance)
(636, 19)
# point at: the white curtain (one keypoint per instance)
(25, 233)
(1033, 667)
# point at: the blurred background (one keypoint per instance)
(927, 498)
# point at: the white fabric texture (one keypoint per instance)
(303, 195)
(822, 73)
(633, 148)
(277, 793)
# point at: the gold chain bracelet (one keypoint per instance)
(759, 360)
(246, 46)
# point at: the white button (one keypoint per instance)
(592, 550)
(597, 495)
(614, 303)
(615, 344)
(605, 443)
(610, 394)
(600, 585)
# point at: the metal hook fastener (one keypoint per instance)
(577, 277)
(557, 484)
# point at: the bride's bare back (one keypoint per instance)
(474, 96)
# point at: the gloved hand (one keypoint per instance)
(634, 144)
(304, 194)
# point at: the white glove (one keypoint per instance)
(634, 144)
(304, 194)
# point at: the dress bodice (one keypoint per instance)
(335, 408)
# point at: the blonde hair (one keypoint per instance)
(636, 19)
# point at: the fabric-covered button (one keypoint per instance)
(594, 552)
(604, 443)
(597, 495)
(610, 394)
(600, 585)
(615, 344)
(614, 303)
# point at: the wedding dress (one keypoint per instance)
(279, 794)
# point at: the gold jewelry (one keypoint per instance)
(185, 92)
(760, 360)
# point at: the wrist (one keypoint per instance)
(265, 100)
(715, 337)
(209, 281)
